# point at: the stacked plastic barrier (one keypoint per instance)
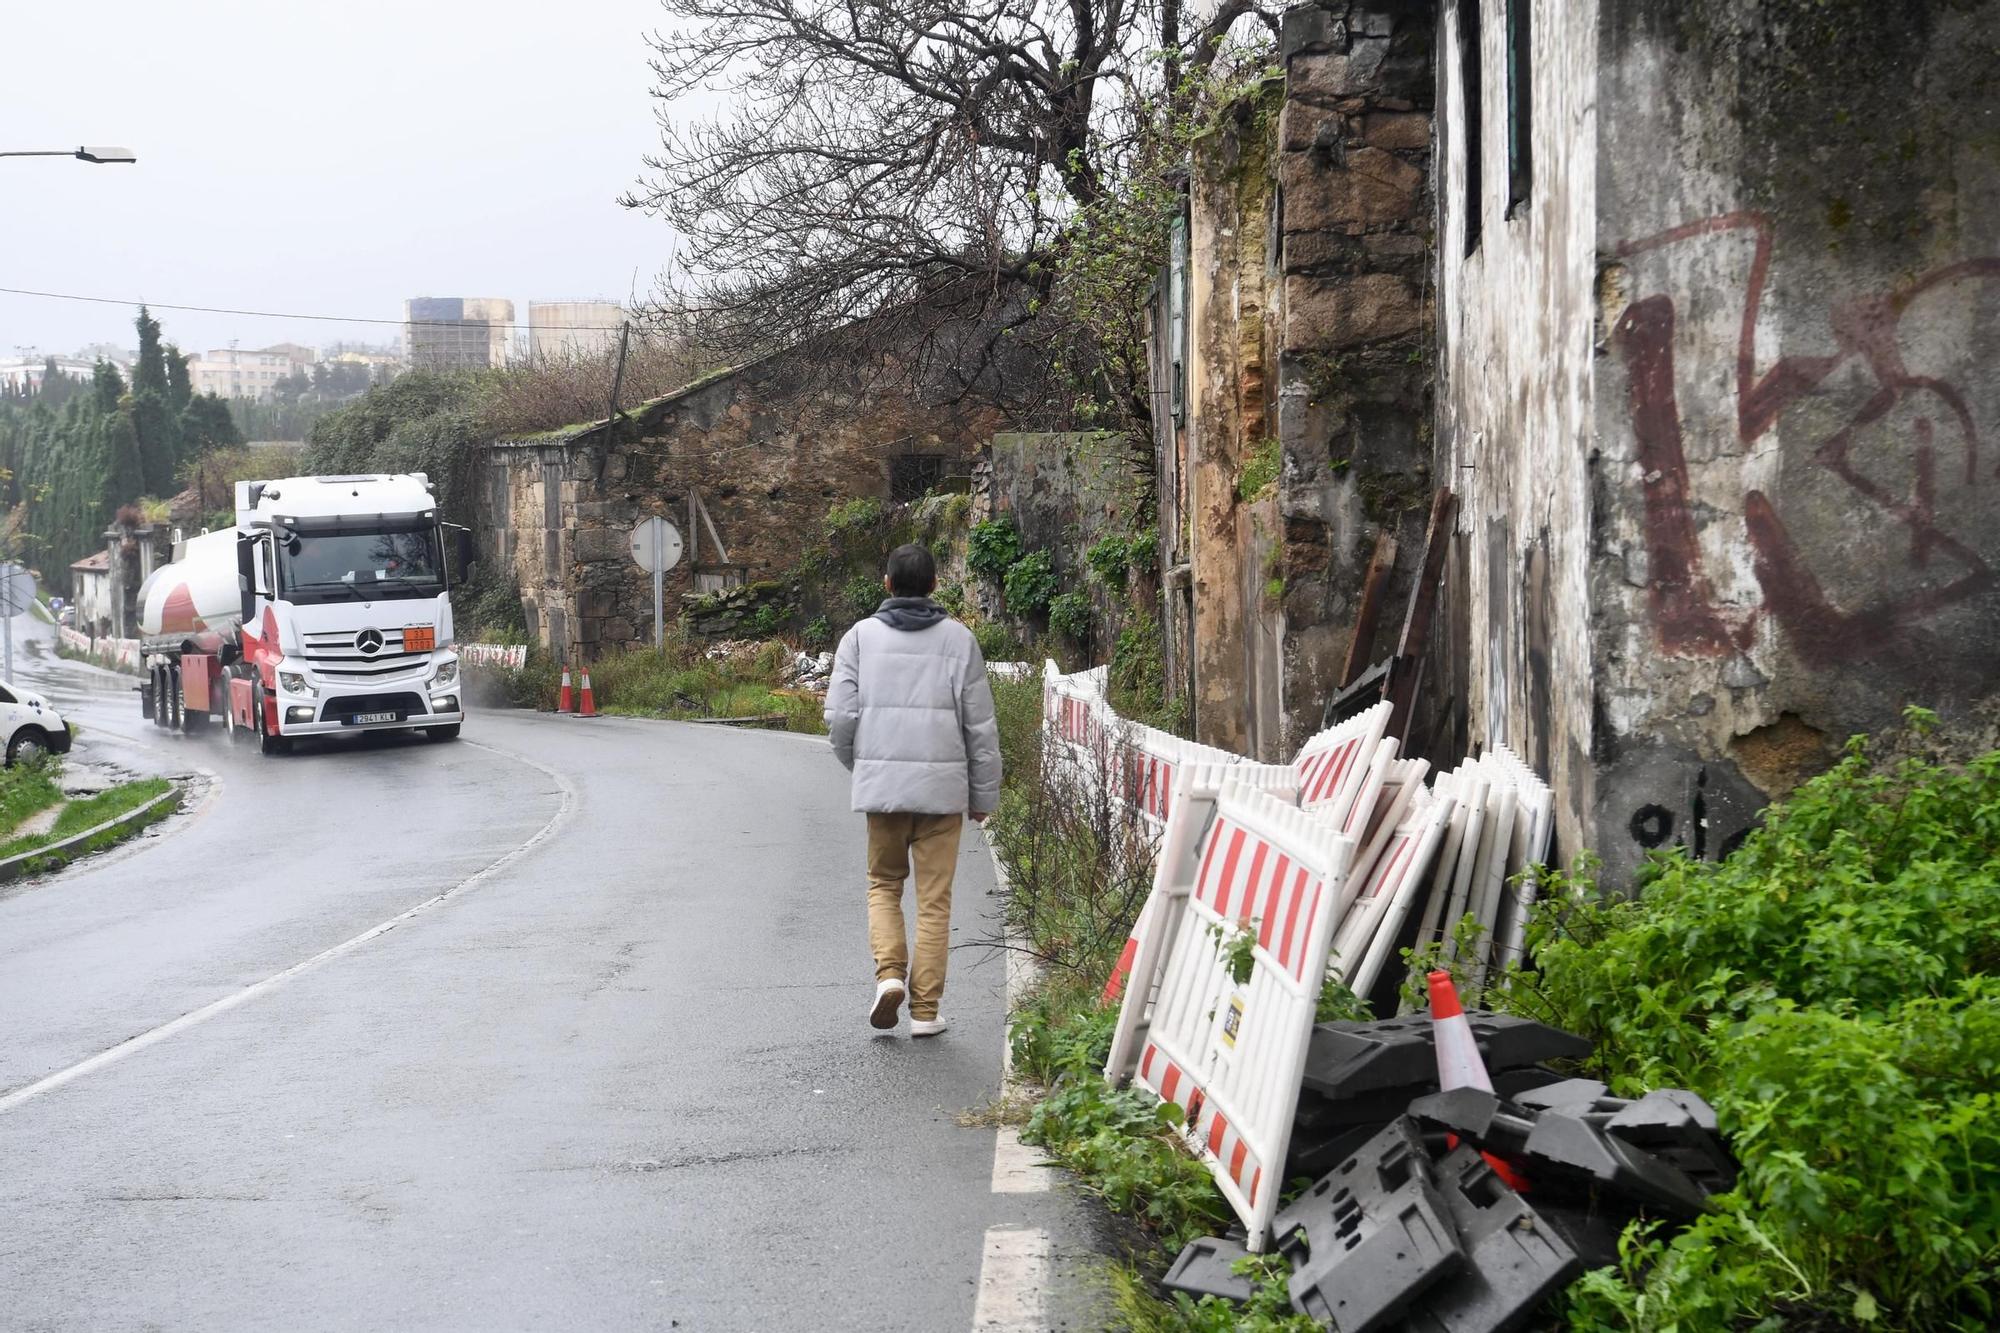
(1240, 978)
(1334, 765)
(1499, 829)
(1400, 868)
(514, 655)
(1197, 789)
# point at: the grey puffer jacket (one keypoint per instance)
(910, 712)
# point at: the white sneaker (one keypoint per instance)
(889, 992)
(926, 1027)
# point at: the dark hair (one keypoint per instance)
(911, 571)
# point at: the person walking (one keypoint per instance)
(910, 714)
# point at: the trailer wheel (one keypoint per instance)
(160, 706)
(266, 742)
(229, 727)
(175, 701)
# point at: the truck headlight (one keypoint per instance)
(292, 682)
(447, 672)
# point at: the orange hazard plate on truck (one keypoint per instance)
(419, 639)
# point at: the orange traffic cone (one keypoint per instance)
(589, 704)
(1459, 1065)
(562, 699)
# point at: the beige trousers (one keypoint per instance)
(894, 841)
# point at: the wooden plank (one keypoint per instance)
(1380, 565)
(1407, 668)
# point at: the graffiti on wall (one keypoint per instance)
(1869, 340)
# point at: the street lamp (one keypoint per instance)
(99, 155)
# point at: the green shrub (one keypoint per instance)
(992, 547)
(1139, 675)
(1109, 558)
(819, 633)
(1260, 471)
(998, 644)
(1031, 584)
(951, 596)
(1830, 988)
(1142, 553)
(853, 517)
(1069, 615)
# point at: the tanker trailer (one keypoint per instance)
(324, 611)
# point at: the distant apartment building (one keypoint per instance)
(457, 333)
(230, 372)
(27, 371)
(561, 329)
(300, 357)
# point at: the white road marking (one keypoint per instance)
(194, 1018)
(1012, 1277)
(1017, 1168)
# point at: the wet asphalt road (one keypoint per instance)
(619, 1077)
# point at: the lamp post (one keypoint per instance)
(100, 155)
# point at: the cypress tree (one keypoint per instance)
(155, 421)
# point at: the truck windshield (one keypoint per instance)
(360, 566)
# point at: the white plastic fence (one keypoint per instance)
(512, 655)
(1230, 1052)
(125, 652)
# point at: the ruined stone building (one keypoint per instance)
(746, 463)
(1695, 307)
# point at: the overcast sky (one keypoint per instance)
(324, 158)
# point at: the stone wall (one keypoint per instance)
(769, 447)
(1725, 388)
(1307, 330)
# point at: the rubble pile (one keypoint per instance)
(809, 671)
(1462, 1210)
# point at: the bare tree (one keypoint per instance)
(880, 152)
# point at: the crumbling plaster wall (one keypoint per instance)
(1236, 703)
(771, 447)
(1798, 395)
(1514, 401)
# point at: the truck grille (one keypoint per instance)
(404, 706)
(335, 656)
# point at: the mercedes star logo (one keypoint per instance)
(369, 642)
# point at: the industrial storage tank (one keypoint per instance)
(197, 593)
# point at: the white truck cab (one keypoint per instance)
(345, 608)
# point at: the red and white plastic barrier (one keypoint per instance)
(1334, 765)
(1399, 868)
(1230, 1052)
(513, 655)
(1197, 789)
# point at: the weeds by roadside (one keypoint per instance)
(683, 682)
(82, 815)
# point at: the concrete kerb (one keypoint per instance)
(14, 867)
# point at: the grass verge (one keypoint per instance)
(78, 816)
(28, 789)
(683, 683)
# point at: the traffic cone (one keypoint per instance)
(562, 699)
(1459, 1065)
(589, 704)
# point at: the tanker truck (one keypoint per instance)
(324, 611)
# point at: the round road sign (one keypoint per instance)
(656, 545)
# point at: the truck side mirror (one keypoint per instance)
(246, 576)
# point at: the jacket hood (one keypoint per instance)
(910, 613)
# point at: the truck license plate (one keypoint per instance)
(374, 717)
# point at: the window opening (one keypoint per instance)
(1520, 103)
(1470, 103)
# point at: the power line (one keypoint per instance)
(329, 319)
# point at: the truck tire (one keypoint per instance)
(176, 704)
(266, 742)
(161, 710)
(449, 733)
(29, 743)
(230, 730)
